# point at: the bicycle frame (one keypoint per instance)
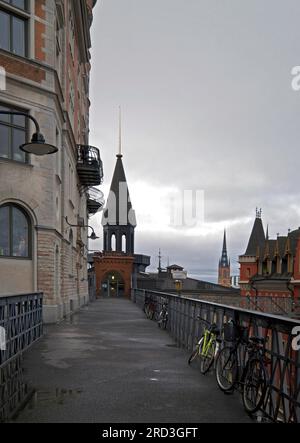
(243, 361)
(208, 339)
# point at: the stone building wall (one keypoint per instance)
(51, 84)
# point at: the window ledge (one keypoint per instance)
(15, 258)
(15, 162)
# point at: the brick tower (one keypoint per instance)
(115, 265)
(224, 266)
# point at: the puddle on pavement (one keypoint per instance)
(57, 396)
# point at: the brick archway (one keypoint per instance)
(110, 263)
(113, 284)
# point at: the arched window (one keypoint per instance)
(123, 243)
(113, 242)
(15, 232)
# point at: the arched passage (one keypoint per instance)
(113, 285)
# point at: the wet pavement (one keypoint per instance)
(111, 364)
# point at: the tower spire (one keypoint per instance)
(224, 265)
(224, 243)
(120, 134)
(159, 261)
(224, 258)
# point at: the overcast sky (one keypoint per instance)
(207, 102)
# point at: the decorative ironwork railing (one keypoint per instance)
(21, 324)
(277, 305)
(95, 200)
(282, 402)
(89, 165)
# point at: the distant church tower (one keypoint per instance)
(119, 220)
(114, 267)
(224, 266)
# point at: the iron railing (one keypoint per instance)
(21, 324)
(95, 200)
(282, 403)
(89, 165)
(277, 305)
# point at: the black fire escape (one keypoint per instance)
(90, 173)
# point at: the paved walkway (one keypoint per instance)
(111, 364)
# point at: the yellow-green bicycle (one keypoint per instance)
(207, 347)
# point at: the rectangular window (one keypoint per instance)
(13, 134)
(4, 31)
(13, 34)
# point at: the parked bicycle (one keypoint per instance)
(163, 315)
(248, 371)
(150, 307)
(207, 347)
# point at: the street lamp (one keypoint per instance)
(38, 145)
(93, 235)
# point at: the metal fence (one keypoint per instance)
(278, 305)
(282, 402)
(21, 324)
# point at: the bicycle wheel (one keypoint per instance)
(151, 314)
(254, 385)
(146, 310)
(207, 357)
(195, 352)
(162, 321)
(227, 369)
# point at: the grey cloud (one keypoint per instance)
(205, 87)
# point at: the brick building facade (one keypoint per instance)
(44, 49)
(271, 267)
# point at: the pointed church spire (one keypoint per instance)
(224, 257)
(120, 134)
(224, 242)
(159, 261)
(118, 219)
(224, 265)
